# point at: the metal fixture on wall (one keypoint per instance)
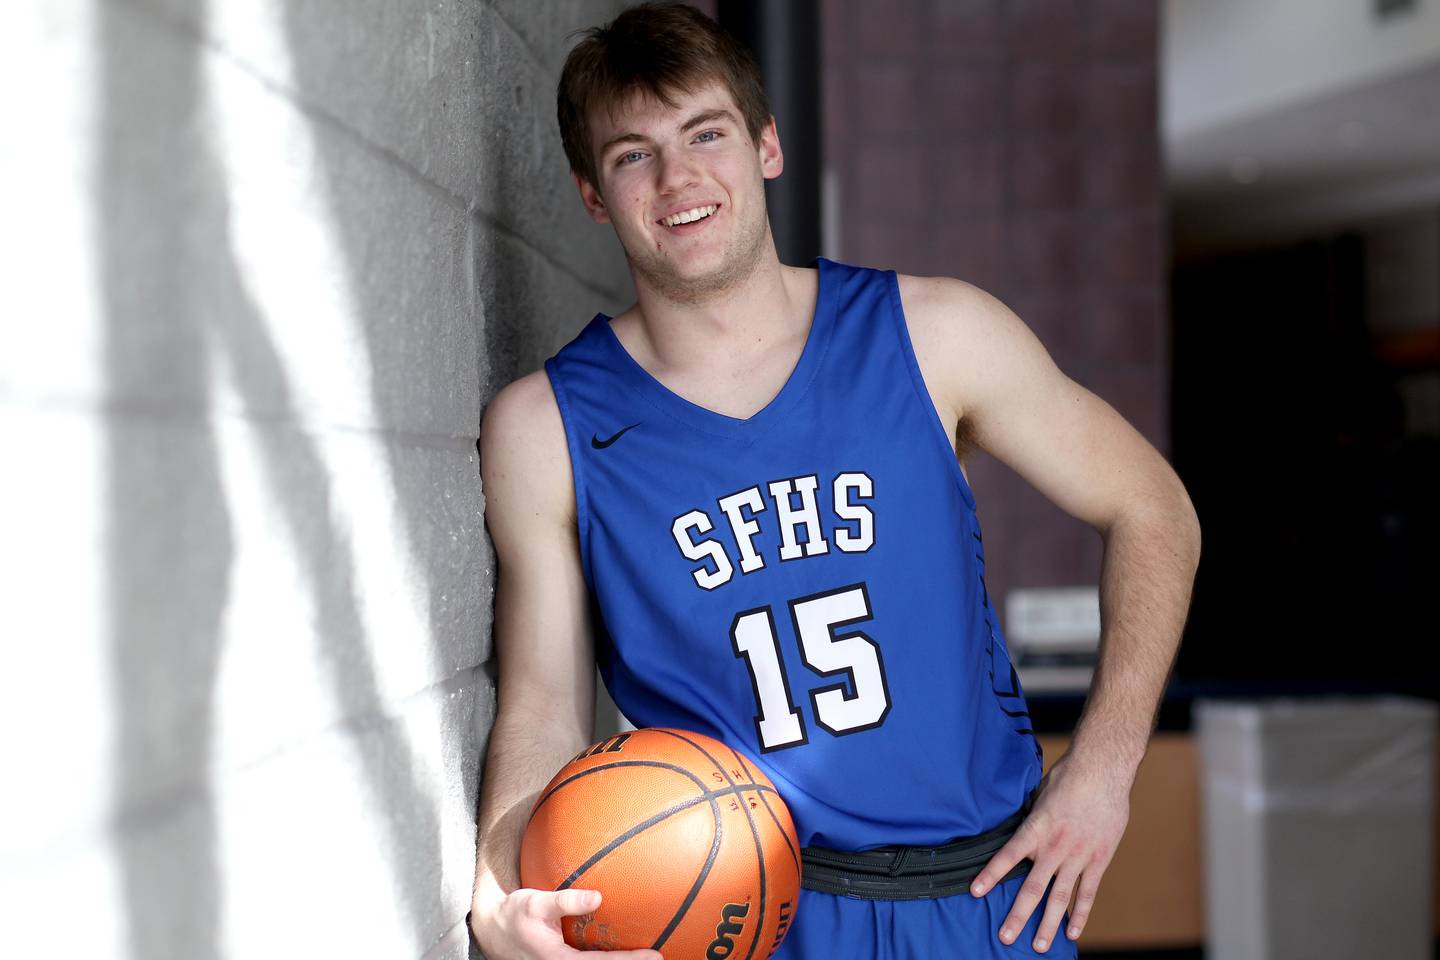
(785, 38)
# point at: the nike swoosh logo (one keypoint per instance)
(599, 444)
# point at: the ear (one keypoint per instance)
(772, 158)
(591, 198)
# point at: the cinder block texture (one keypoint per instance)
(273, 259)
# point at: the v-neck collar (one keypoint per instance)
(703, 418)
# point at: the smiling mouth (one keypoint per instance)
(694, 225)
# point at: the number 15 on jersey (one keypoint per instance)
(853, 655)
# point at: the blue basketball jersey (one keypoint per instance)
(806, 584)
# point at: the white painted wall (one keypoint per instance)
(1225, 61)
(266, 261)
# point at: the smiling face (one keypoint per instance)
(653, 161)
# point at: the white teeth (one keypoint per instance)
(690, 215)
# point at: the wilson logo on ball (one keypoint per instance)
(786, 911)
(612, 745)
(732, 923)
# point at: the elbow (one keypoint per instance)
(1176, 524)
(1183, 521)
(1187, 527)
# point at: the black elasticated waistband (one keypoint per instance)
(911, 873)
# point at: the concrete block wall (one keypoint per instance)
(1015, 144)
(267, 263)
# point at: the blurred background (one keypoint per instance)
(272, 258)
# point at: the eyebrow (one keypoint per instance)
(705, 116)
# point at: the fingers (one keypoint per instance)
(1055, 907)
(1006, 857)
(552, 905)
(1089, 884)
(1031, 891)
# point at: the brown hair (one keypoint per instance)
(657, 48)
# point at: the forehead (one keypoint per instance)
(641, 114)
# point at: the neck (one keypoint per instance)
(729, 317)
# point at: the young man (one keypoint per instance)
(745, 488)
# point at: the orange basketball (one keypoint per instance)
(692, 849)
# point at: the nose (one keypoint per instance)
(677, 173)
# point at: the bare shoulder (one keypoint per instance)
(524, 459)
(1020, 407)
(966, 340)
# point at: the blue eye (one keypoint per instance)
(624, 158)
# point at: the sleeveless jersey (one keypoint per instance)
(806, 584)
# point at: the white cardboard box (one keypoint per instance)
(1318, 819)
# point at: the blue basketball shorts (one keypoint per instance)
(960, 926)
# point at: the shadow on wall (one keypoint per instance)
(167, 591)
(180, 319)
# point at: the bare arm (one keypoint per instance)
(546, 690)
(1146, 579)
(1074, 448)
